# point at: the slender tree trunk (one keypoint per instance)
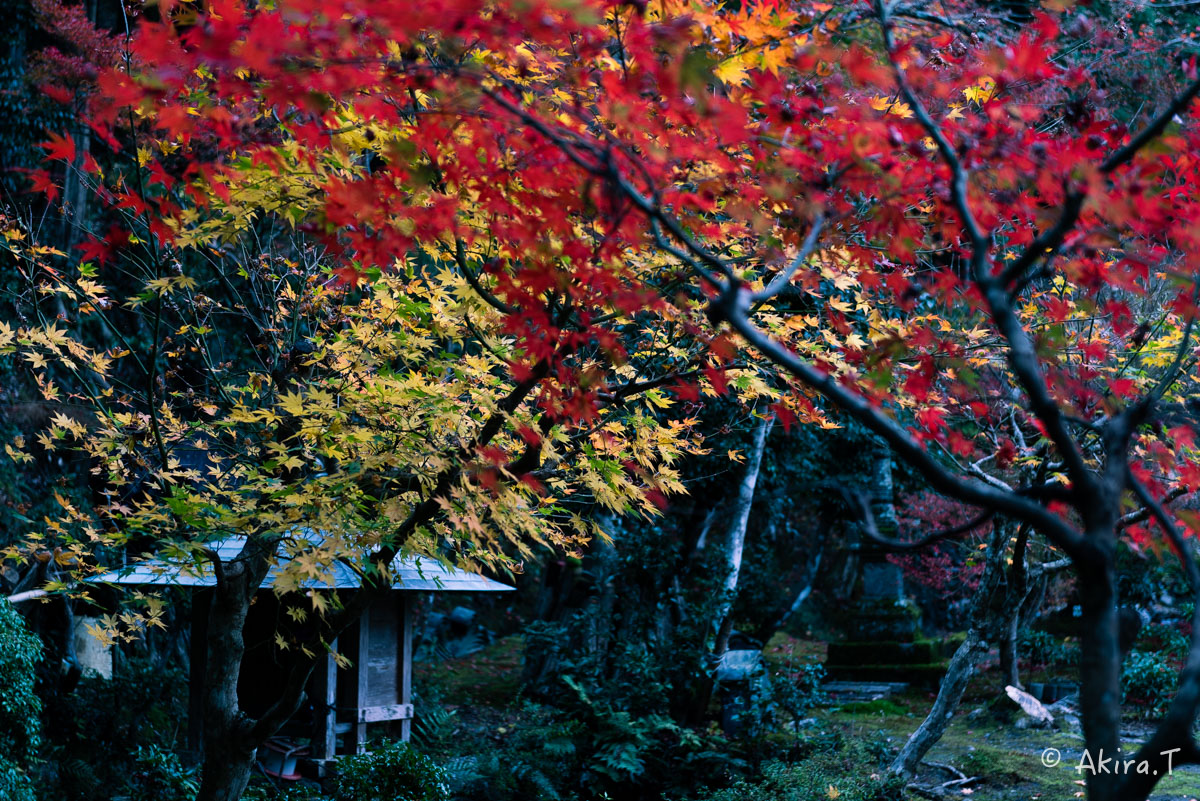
(736, 541)
(962, 665)
(734, 545)
(1017, 596)
(801, 596)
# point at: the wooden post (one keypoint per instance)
(197, 664)
(358, 730)
(404, 679)
(324, 699)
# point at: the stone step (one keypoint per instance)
(862, 690)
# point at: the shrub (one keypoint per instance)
(846, 771)
(589, 749)
(1148, 680)
(1038, 647)
(106, 734)
(14, 782)
(1167, 640)
(158, 775)
(537, 759)
(20, 652)
(793, 690)
(303, 791)
(391, 772)
(1043, 648)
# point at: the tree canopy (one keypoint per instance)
(447, 277)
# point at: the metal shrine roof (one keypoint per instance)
(419, 573)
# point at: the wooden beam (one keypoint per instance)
(358, 731)
(323, 692)
(404, 680)
(378, 714)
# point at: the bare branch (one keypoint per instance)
(1143, 514)
(872, 530)
(1046, 243)
(1165, 381)
(1022, 356)
(958, 173)
(1057, 566)
(1051, 239)
(784, 278)
(218, 565)
(730, 306)
(1151, 132)
(460, 257)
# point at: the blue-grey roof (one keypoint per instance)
(411, 573)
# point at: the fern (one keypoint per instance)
(433, 726)
(559, 747)
(619, 761)
(469, 643)
(532, 775)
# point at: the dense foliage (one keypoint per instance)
(20, 707)
(484, 282)
(391, 772)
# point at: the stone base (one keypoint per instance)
(890, 652)
(927, 676)
(896, 621)
(921, 663)
(862, 690)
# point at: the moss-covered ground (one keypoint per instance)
(982, 741)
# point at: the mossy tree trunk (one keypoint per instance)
(962, 664)
(996, 612)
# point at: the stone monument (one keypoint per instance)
(881, 626)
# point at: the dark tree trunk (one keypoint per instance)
(227, 767)
(1010, 666)
(229, 747)
(1100, 666)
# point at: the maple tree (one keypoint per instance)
(961, 243)
(383, 418)
(405, 409)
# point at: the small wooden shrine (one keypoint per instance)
(376, 686)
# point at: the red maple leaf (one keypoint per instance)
(42, 182)
(59, 147)
(96, 250)
(57, 93)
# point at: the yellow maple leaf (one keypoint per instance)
(772, 60)
(890, 106)
(733, 70)
(983, 91)
(292, 403)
